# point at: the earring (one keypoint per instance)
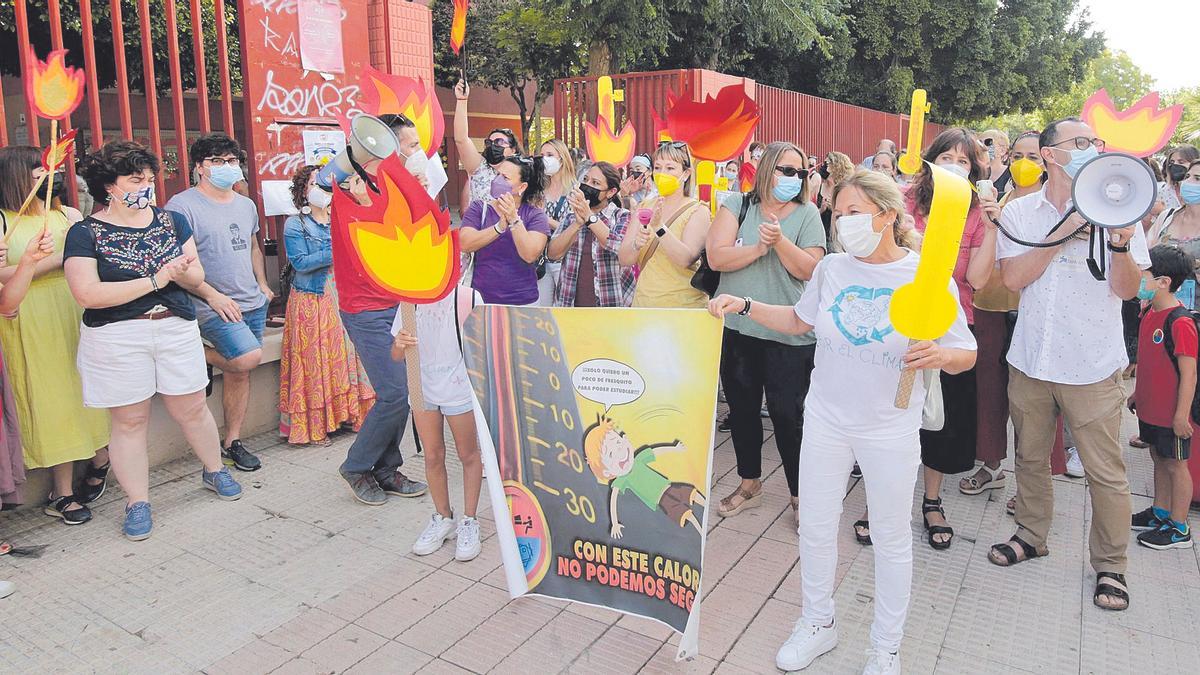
(306, 209)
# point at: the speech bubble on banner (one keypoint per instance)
(608, 382)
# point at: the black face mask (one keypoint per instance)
(1176, 172)
(493, 154)
(59, 188)
(592, 194)
(823, 171)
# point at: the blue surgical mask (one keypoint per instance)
(787, 187)
(1079, 158)
(1144, 293)
(225, 177)
(1190, 192)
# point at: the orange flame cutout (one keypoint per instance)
(604, 146)
(56, 154)
(402, 242)
(383, 93)
(458, 26)
(1140, 130)
(716, 129)
(54, 89)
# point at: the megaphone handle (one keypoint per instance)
(904, 388)
(362, 173)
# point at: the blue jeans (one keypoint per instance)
(377, 447)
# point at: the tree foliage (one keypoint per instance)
(102, 33)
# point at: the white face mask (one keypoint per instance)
(318, 198)
(552, 165)
(955, 168)
(856, 234)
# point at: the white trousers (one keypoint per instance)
(890, 473)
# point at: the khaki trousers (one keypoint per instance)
(1093, 415)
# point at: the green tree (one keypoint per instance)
(39, 33)
(1189, 126)
(618, 33)
(510, 45)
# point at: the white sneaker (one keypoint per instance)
(436, 533)
(7, 588)
(1074, 464)
(808, 641)
(882, 662)
(468, 544)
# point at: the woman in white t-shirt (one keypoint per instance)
(447, 394)
(850, 413)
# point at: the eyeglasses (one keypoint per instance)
(1082, 143)
(222, 161)
(790, 171)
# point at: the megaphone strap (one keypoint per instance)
(362, 173)
(1042, 244)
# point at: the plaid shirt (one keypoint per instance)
(614, 286)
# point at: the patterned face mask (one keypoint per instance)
(138, 199)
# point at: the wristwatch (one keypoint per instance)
(745, 310)
(660, 231)
(1118, 249)
(593, 219)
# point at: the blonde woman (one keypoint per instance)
(668, 234)
(559, 167)
(850, 413)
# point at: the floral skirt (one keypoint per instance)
(322, 383)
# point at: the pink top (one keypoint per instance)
(972, 239)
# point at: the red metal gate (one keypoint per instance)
(119, 101)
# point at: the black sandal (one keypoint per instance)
(58, 509)
(1112, 585)
(1008, 552)
(861, 526)
(89, 493)
(935, 506)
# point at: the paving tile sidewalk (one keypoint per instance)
(298, 578)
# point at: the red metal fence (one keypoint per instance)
(149, 128)
(816, 124)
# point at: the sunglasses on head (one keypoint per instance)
(791, 171)
(678, 145)
(498, 142)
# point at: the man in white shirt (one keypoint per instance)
(1067, 356)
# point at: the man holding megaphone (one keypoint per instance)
(1067, 350)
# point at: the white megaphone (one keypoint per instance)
(369, 138)
(1114, 190)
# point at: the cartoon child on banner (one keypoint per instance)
(612, 457)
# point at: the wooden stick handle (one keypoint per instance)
(904, 388)
(412, 359)
(50, 174)
(37, 185)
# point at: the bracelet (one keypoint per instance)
(496, 227)
(153, 283)
(1118, 249)
(745, 310)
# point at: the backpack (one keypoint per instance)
(1177, 314)
(706, 279)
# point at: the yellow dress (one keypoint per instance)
(39, 353)
(661, 282)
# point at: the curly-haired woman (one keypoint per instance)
(321, 381)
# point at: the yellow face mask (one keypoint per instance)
(667, 184)
(1025, 172)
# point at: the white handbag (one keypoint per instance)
(933, 414)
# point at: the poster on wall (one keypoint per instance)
(597, 431)
(322, 145)
(321, 35)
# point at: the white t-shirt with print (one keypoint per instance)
(859, 355)
(443, 371)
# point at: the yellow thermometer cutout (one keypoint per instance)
(910, 162)
(924, 309)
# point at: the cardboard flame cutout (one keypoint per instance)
(412, 97)
(717, 129)
(604, 144)
(402, 242)
(56, 154)
(1140, 130)
(54, 89)
(458, 25)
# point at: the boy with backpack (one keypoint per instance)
(1165, 398)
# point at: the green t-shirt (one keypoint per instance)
(648, 484)
(766, 280)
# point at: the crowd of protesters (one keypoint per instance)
(107, 309)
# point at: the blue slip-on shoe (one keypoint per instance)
(222, 483)
(137, 521)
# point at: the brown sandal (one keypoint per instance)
(750, 500)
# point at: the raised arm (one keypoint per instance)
(467, 154)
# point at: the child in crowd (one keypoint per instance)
(437, 337)
(1166, 384)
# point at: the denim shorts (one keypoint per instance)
(450, 410)
(233, 339)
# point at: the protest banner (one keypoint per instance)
(596, 427)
